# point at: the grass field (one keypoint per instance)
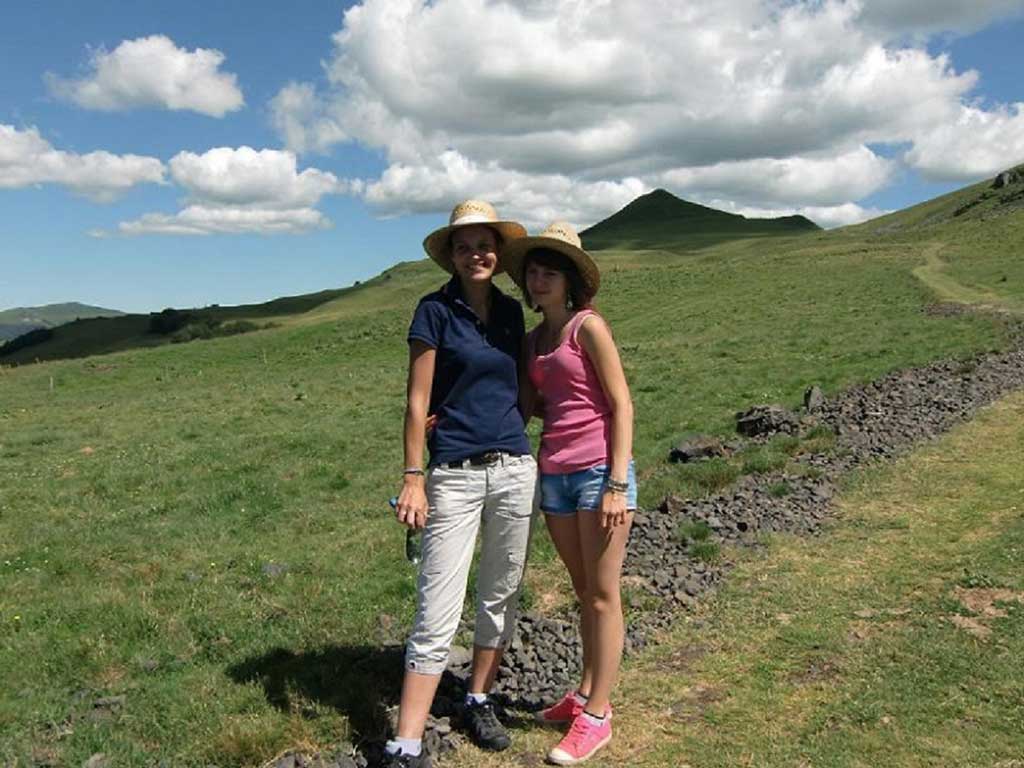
(174, 518)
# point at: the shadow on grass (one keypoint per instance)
(359, 681)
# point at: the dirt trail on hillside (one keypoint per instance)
(933, 274)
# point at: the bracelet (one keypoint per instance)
(412, 471)
(617, 486)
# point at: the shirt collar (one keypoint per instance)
(452, 290)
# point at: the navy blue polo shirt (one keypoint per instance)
(475, 392)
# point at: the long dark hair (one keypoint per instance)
(579, 297)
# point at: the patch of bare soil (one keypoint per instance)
(816, 671)
(695, 701)
(984, 604)
(683, 658)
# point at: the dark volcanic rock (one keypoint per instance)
(765, 420)
(693, 447)
(814, 399)
(1006, 178)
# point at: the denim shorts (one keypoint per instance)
(563, 494)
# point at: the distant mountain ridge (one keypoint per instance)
(14, 322)
(659, 219)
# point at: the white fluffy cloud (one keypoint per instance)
(205, 220)
(245, 176)
(304, 119)
(774, 104)
(241, 190)
(827, 216)
(828, 179)
(153, 72)
(534, 199)
(27, 159)
(974, 145)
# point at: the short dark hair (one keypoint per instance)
(579, 296)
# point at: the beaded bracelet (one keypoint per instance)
(617, 486)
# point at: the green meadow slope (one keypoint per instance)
(193, 525)
(85, 335)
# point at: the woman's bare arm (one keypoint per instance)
(412, 501)
(596, 339)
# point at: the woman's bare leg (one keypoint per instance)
(417, 695)
(603, 551)
(565, 535)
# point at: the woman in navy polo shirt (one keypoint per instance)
(464, 344)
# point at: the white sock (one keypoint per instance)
(593, 719)
(579, 697)
(411, 747)
(475, 698)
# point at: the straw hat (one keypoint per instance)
(438, 244)
(561, 237)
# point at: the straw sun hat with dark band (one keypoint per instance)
(559, 237)
(438, 244)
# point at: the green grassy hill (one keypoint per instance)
(19, 320)
(659, 219)
(99, 335)
(170, 516)
(977, 203)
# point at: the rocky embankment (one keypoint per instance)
(879, 420)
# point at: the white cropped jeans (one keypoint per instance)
(500, 496)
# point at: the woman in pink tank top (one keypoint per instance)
(588, 483)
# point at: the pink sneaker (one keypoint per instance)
(563, 711)
(582, 741)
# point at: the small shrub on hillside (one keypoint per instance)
(235, 327)
(762, 460)
(201, 330)
(820, 431)
(705, 551)
(974, 580)
(787, 444)
(168, 321)
(208, 328)
(711, 475)
(693, 530)
(778, 490)
(636, 601)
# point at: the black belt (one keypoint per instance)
(486, 458)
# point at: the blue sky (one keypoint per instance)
(368, 127)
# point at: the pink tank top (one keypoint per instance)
(577, 417)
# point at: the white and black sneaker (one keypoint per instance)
(484, 728)
(402, 760)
